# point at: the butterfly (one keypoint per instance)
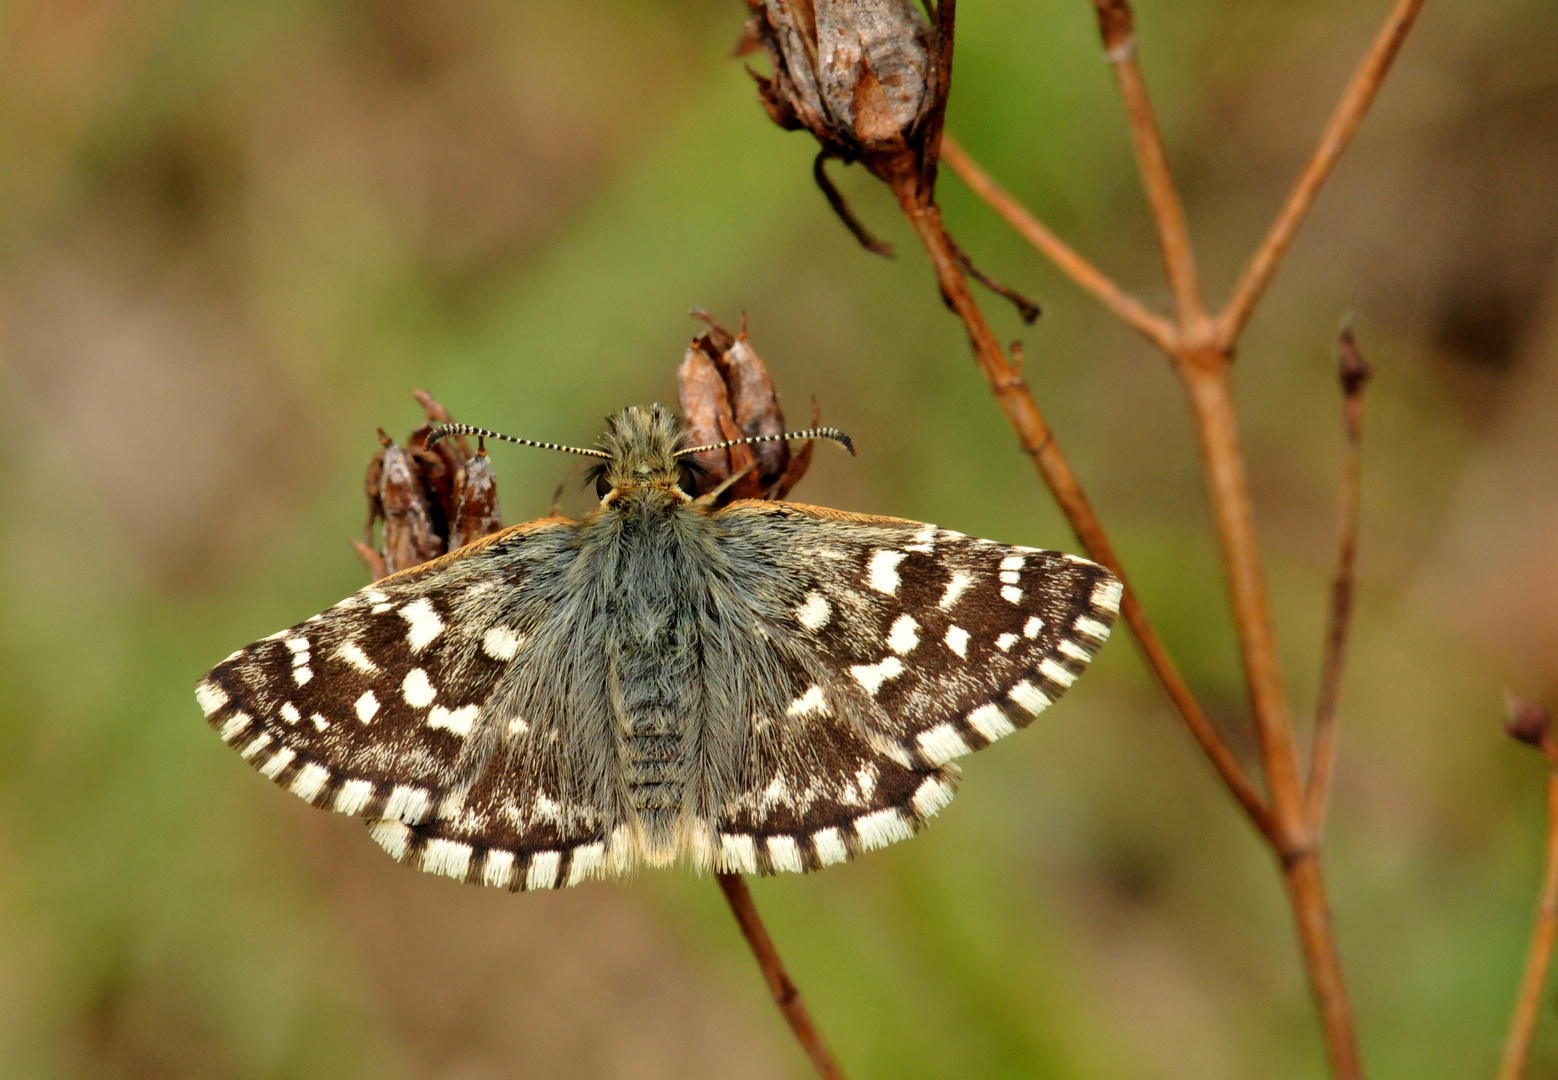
(754, 688)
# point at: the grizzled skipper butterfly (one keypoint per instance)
(761, 687)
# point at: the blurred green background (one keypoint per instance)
(234, 236)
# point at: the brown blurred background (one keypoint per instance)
(234, 236)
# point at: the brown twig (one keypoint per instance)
(786, 995)
(1117, 24)
(1531, 723)
(1339, 130)
(1027, 309)
(1130, 310)
(1022, 411)
(1354, 374)
(841, 209)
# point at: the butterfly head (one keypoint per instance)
(643, 447)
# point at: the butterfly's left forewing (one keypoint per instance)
(366, 708)
(910, 646)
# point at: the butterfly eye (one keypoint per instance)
(686, 479)
(602, 486)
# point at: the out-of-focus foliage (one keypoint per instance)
(234, 236)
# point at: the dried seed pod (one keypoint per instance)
(860, 75)
(705, 403)
(476, 514)
(409, 536)
(755, 403)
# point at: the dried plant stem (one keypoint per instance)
(786, 995)
(1528, 1004)
(1117, 23)
(1038, 441)
(1206, 377)
(1355, 375)
(1130, 310)
(1339, 130)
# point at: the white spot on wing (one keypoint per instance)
(418, 690)
(297, 644)
(1030, 697)
(310, 781)
(1011, 593)
(814, 611)
(408, 804)
(882, 828)
(211, 697)
(425, 623)
(500, 643)
(872, 676)
(352, 653)
(830, 846)
(498, 869)
(1012, 562)
(957, 640)
(289, 713)
(941, 744)
(810, 702)
(904, 635)
(1056, 673)
(451, 858)
(991, 722)
(586, 862)
(882, 571)
(1070, 648)
(261, 741)
(353, 796)
(1031, 628)
(1092, 628)
(459, 721)
(274, 767)
(301, 675)
(517, 727)
(1005, 642)
(234, 726)
(955, 589)
(367, 707)
(933, 794)
(543, 870)
(785, 854)
(737, 853)
(1106, 596)
(392, 836)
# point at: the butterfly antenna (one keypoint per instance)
(444, 431)
(832, 434)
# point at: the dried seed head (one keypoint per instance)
(410, 538)
(857, 74)
(431, 499)
(476, 511)
(726, 392)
